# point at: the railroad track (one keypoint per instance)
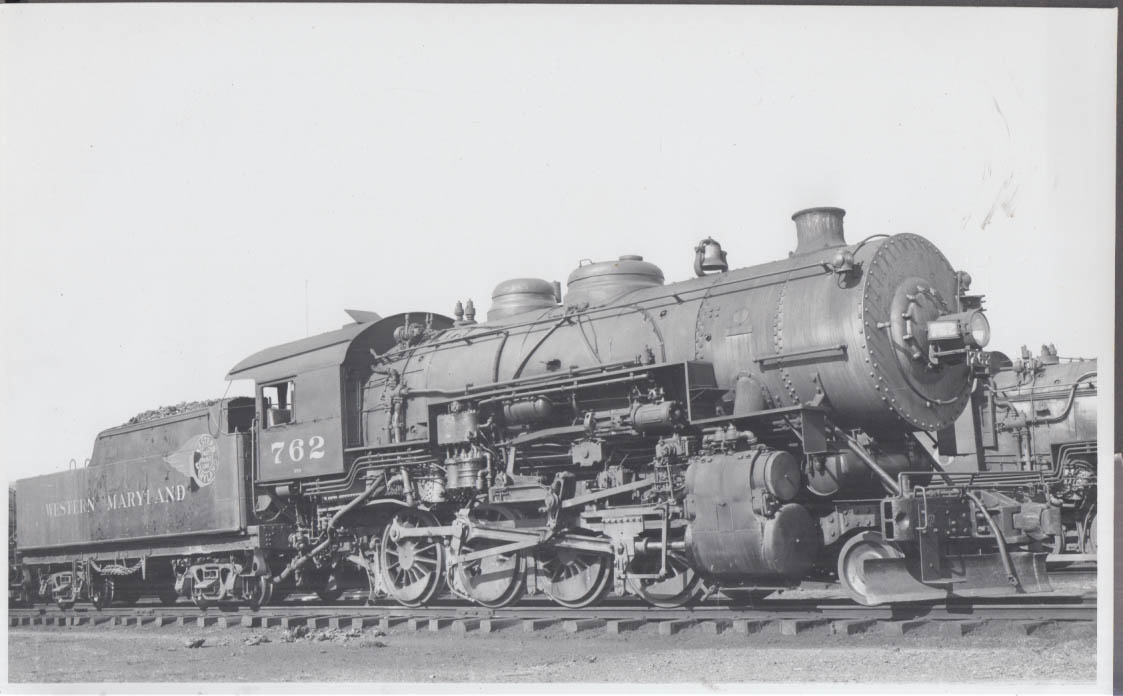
(789, 617)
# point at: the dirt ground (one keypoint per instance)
(1060, 652)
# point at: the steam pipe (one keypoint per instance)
(861, 453)
(299, 561)
(1068, 404)
(998, 537)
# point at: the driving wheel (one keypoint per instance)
(412, 569)
(492, 581)
(575, 578)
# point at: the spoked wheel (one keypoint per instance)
(412, 569)
(492, 581)
(101, 593)
(851, 564)
(575, 579)
(257, 590)
(675, 590)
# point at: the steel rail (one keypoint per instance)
(1066, 608)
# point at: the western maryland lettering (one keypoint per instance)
(119, 500)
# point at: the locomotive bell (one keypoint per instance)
(708, 256)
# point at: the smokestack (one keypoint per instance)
(818, 228)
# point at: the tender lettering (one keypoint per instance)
(118, 500)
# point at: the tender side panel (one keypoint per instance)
(192, 489)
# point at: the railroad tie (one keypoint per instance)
(849, 627)
(388, 622)
(493, 625)
(616, 626)
(577, 625)
(673, 626)
(465, 625)
(791, 627)
(1030, 627)
(532, 625)
(960, 628)
(288, 622)
(750, 626)
(900, 628)
(437, 623)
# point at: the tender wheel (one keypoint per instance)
(493, 581)
(851, 564)
(575, 579)
(168, 597)
(101, 593)
(257, 591)
(412, 569)
(64, 605)
(331, 589)
(678, 588)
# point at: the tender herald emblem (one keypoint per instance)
(197, 458)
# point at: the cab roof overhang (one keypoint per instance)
(328, 349)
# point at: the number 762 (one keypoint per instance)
(296, 449)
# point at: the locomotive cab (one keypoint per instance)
(307, 392)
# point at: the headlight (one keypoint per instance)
(978, 330)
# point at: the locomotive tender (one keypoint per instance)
(743, 430)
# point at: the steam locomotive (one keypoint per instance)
(740, 431)
(1036, 415)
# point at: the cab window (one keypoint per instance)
(277, 403)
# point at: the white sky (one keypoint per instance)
(170, 176)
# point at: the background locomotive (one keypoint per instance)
(1036, 414)
(744, 429)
